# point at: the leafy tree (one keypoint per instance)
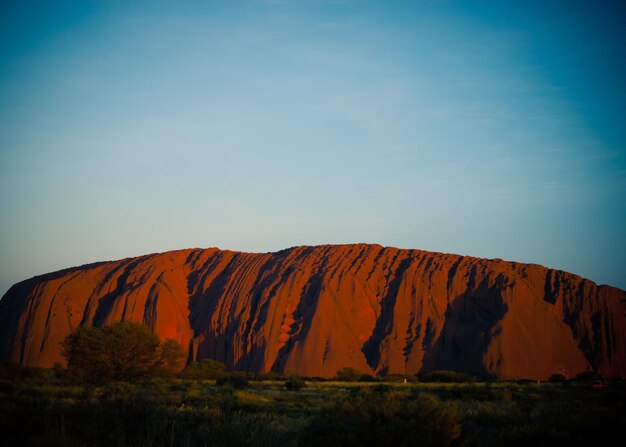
(121, 352)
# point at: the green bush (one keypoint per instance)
(348, 375)
(237, 380)
(294, 383)
(368, 378)
(557, 378)
(206, 369)
(318, 379)
(269, 375)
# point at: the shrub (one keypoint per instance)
(269, 375)
(237, 380)
(58, 371)
(318, 379)
(294, 383)
(557, 378)
(368, 378)
(206, 369)
(348, 375)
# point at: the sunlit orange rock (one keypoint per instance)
(314, 310)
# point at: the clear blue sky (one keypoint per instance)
(492, 129)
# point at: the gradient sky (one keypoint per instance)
(492, 129)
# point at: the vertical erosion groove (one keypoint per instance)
(384, 323)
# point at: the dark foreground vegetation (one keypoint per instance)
(42, 408)
(123, 387)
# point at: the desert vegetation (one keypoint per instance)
(48, 407)
(207, 405)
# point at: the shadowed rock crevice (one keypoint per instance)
(270, 277)
(470, 324)
(106, 302)
(303, 316)
(552, 286)
(203, 303)
(384, 323)
(452, 272)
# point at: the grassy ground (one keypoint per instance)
(177, 412)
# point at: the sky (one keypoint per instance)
(491, 129)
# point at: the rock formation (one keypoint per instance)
(314, 310)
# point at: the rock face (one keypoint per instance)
(314, 310)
